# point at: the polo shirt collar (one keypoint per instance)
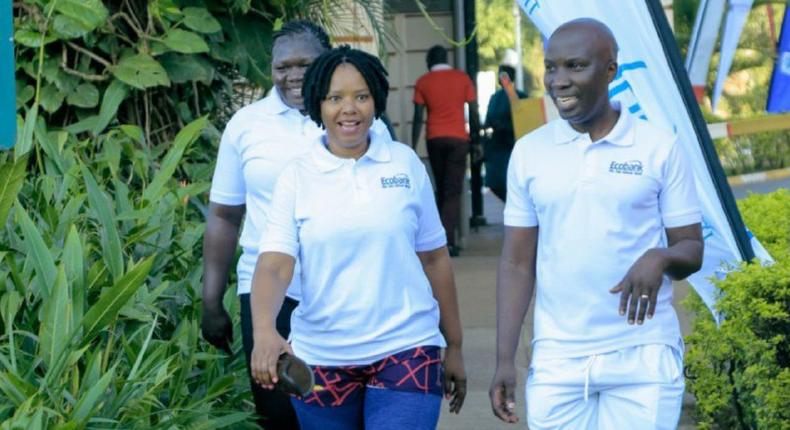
(441, 66)
(274, 104)
(621, 134)
(378, 151)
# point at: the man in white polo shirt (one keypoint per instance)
(601, 213)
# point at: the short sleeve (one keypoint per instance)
(471, 92)
(678, 200)
(227, 185)
(281, 233)
(419, 97)
(430, 233)
(519, 208)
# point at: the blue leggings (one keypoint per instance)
(378, 409)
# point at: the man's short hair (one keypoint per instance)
(510, 70)
(436, 55)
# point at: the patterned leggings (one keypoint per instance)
(402, 391)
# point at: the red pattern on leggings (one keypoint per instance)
(416, 370)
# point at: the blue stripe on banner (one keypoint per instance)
(625, 67)
(619, 88)
(7, 82)
(779, 93)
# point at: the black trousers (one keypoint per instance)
(448, 163)
(273, 407)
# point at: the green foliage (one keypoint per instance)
(102, 205)
(740, 371)
(99, 298)
(754, 153)
(141, 71)
(747, 90)
(496, 33)
(683, 14)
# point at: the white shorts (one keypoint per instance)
(638, 387)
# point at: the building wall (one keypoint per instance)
(406, 62)
(352, 25)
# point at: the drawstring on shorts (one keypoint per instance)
(587, 369)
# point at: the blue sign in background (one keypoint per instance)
(779, 93)
(7, 81)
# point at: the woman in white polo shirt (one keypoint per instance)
(378, 295)
(256, 144)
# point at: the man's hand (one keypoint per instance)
(639, 288)
(267, 348)
(217, 327)
(454, 378)
(477, 153)
(502, 393)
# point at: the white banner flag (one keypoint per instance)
(645, 85)
(703, 42)
(736, 18)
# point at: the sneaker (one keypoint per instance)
(294, 376)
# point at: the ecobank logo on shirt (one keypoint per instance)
(633, 167)
(401, 180)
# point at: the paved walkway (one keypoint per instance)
(475, 274)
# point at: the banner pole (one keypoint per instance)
(723, 189)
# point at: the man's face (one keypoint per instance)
(291, 56)
(579, 65)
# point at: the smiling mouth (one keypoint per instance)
(349, 127)
(295, 92)
(566, 102)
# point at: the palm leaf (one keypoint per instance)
(55, 327)
(12, 176)
(102, 208)
(37, 249)
(169, 164)
(104, 311)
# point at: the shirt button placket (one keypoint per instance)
(360, 191)
(587, 168)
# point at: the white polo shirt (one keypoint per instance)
(258, 141)
(356, 226)
(599, 206)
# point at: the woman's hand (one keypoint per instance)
(267, 348)
(454, 378)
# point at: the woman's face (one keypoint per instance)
(347, 112)
(291, 56)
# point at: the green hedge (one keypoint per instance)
(740, 371)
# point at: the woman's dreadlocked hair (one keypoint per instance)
(299, 27)
(319, 74)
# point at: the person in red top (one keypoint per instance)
(444, 91)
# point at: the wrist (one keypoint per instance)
(659, 258)
(454, 345)
(213, 304)
(264, 329)
(505, 362)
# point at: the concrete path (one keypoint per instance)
(764, 187)
(475, 275)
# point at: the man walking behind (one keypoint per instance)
(444, 91)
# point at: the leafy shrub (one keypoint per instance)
(740, 371)
(100, 290)
(102, 206)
